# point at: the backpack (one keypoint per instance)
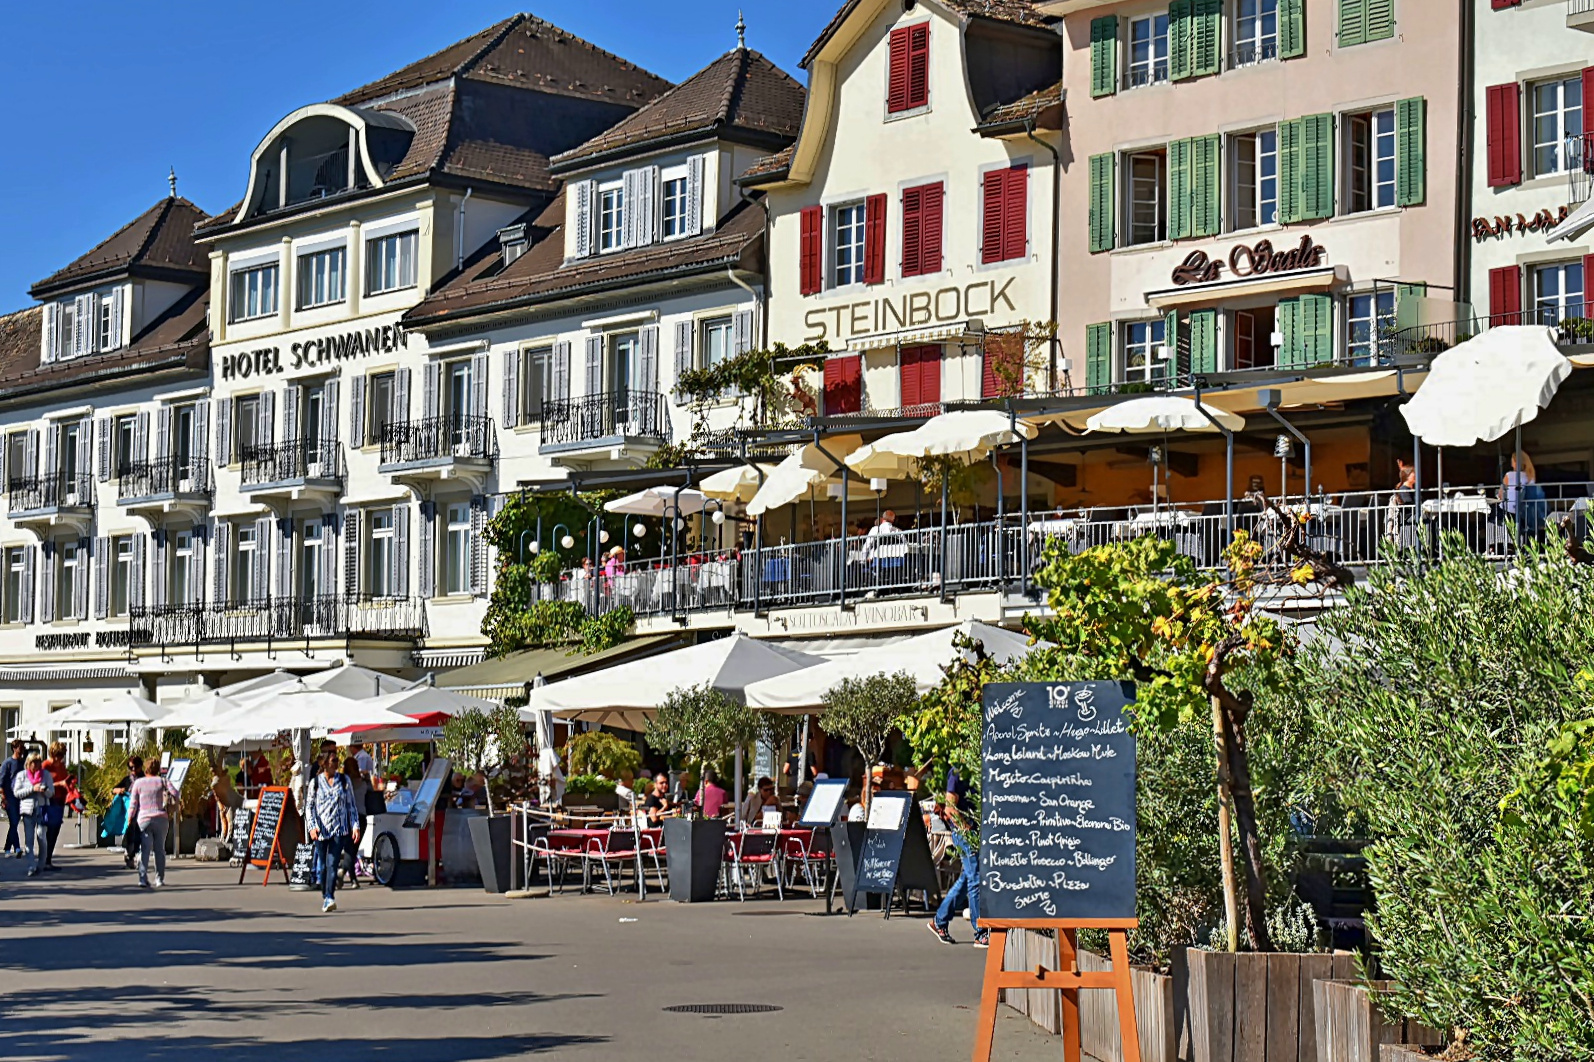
(168, 799)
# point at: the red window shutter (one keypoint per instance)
(1588, 117)
(930, 229)
(897, 78)
(843, 385)
(1588, 281)
(1015, 207)
(908, 374)
(929, 375)
(1503, 108)
(912, 225)
(918, 65)
(874, 240)
(811, 250)
(1505, 295)
(994, 209)
(1499, 4)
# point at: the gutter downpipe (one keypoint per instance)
(459, 229)
(1228, 464)
(1057, 205)
(841, 556)
(1461, 283)
(762, 202)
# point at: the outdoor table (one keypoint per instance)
(1469, 504)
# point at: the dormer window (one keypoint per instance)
(611, 216)
(83, 324)
(106, 325)
(672, 200)
(908, 80)
(512, 242)
(638, 208)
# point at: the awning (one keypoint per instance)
(955, 330)
(508, 675)
(1315, 391)
(1271, 283)
(1574, 225)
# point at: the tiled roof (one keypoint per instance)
(1019, 12)
(741, 92)
(541, 273)
(177, 339)
(20, 339)
(161, 238)
(1034, 105)
(774, 165)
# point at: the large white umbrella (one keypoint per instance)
(659, 501)
(198, 711)
(351, 680)
(252, 685)
(735, 484)
(922, 656)
(301, 707)
(802, 473)
(969, 433)
(1161, 414)
(424, 700)
(1479, 390)
(871, 462)
(120, 708)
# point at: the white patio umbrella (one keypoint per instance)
(802, 473)
(301, 707)
(871, 462)
(971, 433)
(198, 711)
(122, 708)
(735, 484)
(351, 680)
(252, 685)
(424, 700)
(1479, 390)
(1161, 414)
(922, 657)
(659, 501)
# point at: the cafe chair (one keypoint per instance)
(748, 853)
(618, 849)
(553, 856)
(805, 855)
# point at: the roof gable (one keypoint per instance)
(161, 239)
(1017, 12)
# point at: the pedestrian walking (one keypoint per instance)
(966, 890)
(55, 813)
(334, 821)
(8, 778)
(135, 771)
(153, 801)
(32, 789)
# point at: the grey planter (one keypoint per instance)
(490, 837)
(694, 849)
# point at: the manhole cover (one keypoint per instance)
(718, 1009)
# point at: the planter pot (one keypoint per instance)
(1351, 1025)
(1098, 1011)
(1251, 1006)
(490, 837)
(187, 836)
(1404, 1053)
(694, 849)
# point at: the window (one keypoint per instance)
(908, 76)
(1558, 292)
(537, 385)
(181, 589)
(182, 441)
(611, 216)
(1372, 160)
(1004, 215)
(246, 540)
(124, 436)
(246, 421)
(1253, 337)
(17, 468)
(1557, 115)
(390, 263)
(456, 559)
(105, 332)
(252, 293)
(310, 423)
(717, 341)
(68, 324)
(67, 561)
(672, 204)
(849, 244)
(1145, 360)
(379, 553)
(1368, 319)
(66, 454)
(1256, 179)
(1256, 31)
(321, 278)
(623, 350)
(456, 388)
(378, 406)
(121, 575)
(311, 542)
(16, 574)
(1148, 212)
(1148, 50)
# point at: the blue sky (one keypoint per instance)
(92, 129)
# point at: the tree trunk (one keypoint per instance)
(1238, 762)
(1231, 892)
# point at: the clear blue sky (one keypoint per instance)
(91, 130)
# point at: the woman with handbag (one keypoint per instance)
(32, 789)
(152, 804)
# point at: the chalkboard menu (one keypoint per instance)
(238, 841)
(1057, 804)
(300, 874)
(895, 851)
(267, 823)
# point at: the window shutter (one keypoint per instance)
(594, 365)
(1288, 320)
(512, 388)
(994, 209)
(646, 209)
(908, 376)
(431, 381)
(285, 590)
(1015, 212)
(223, 431)
(874, 240)
(628, 218)
(1411, 179)
(136, 589)
(102, 582)
(1380, 20)
(843, 385)
(50, 464)
(583, 191)
(561, 371)
(47, 585)
(683, 357)
(648, 360)
(919, 65)
(922, 209)
(1352, 22)
(1500, 5)
(1588, 118)
(102, 436)
(1587, 309)
(223, 556)
(163, 434)
(30, 562)
(357, 410)
(742, 331)
(52, 332)
(118, 303)
(158, 569)
(201, 443)
(1292, 28)
(1181, 57)
(329, 411)
(1101, 202)
(141, 436)
(1206, 36)
(83, 325)
(478, 545)
(696, 166)
(1317, 328)
(401, 396)
(260, 562)
(196, 565)
(897, 73)
(1505, 295)
(292, 399)
(1503, 107)
(478, 385)
(930, 375)
(80, 581)
(399, 575)
(811, 249)
(425, 554)
(268, 420)
(85, 450)
(1203, 341)
(351, 554)
(1317, 166)
(1206, 188)
(1289, 184)
(1098, 358)
(327, 556)
(1104, 55)
(1179, 196)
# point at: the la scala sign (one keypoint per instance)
(1249, 260)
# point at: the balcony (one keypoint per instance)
(611, 424)
(1580, 15)
(439, 448)
(54, 499)
(292, 471)
(174, 484)
(1572, 327)
(278, 623)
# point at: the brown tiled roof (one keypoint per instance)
(20, 340)
(769, 166)
(160, 239)
(1018, 12)
(1035, 105)
(541, 273)
(739, 96)
(177, 339)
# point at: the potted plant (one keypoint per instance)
(475, 742)
(703, 724)
(863, 711)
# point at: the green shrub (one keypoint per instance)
(546, 567)
(407, 765)
(590, 785)
(863, 711)
(599, 752)
(606, 631)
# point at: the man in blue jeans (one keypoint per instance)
(966, 890)
(334, 819)
(8, 778)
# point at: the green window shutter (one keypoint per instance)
(1380, 24)
(1292, 28)
(1290, 171)
(1179, 189)
(1317, 330)
(1289, 326)
(1317, 167)
(1098, 358)
(1411, 166)
(1181, 59)
(1352, 22)
(1101, 202)
(1406, 308)
(1203, 342)
(1104, 55)
(1206, 36)
(1206, 188)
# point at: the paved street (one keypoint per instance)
(95, 968)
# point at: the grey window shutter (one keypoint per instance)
(141, 437)
(511, 388)
(223, 431)
(584, 192)
(201, 444)
(430, 385)
(695, 170)
(594, 365)
(329, 412)
(742, 331)
(648, 358)
(52, 333)
(135, 590)
(401, 551)
(561, 371)
(631, 197)
(163, 433)
(426, 555)
(478, 385)
(478, 545)
(401, 396)
(85, 448)
(30, 453)
(50, 465)
(103, 445)
(647, 205)
(101, 559)
(351, 553)
(30, 561)
(83, 325)
(158, 573)
(222, 558)
(47, 585)
(260, 561)
(80, 580)
(683, 356)
(357, 410)
(196, 566)
(118, 303)
(284, 584)
(267, 432)
(292, 396)
(329, 554)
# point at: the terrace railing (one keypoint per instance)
(311, 618)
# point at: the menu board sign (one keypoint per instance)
(824, 803)
(242, 818)
(1057, 803)
(301, 875)
(268, 818)
(431, 789)
(884, 833)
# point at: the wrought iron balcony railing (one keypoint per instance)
(53, 490)
(291, 462)
(450, 437)
(163, 477)
(607, 415)
(324, 616)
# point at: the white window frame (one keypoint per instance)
(312, 540)
(1159, 200)
(104, 325)
(1367, 315)
(252, 292)
(1550, 124)
(378, 567)
(246, 423)
(610, 216)
(1152, 67)
(121, 576)
(323, 277)
(1144, 351)
(124, 435)
(1366, 146)
(1254, 41)
(849, 223)
(378, 415)
(16, 572)
(456, 549)
(1554, 307)
(66, 324)
(245, 541)
(674, 188)
(180, 571)
(712, 331)
(391, 262)
(68, 557)
(1254, 191)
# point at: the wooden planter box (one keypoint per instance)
(1351, 1026)
(1402, 1053)
(1252, 1007)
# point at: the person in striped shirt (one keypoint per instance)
(334, 821)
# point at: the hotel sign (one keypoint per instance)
(341, 346)
(914, 309)
(1254, 260)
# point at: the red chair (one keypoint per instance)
(749, 852)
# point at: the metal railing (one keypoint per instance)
(1146, 74)
(53, 490)
(1245, 53)
(290, 462)
(450, 437)
(163, 477)
(1572, 325)
(1579, 7)
(607, 415)
(278, 620)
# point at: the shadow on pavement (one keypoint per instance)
(155, 1047)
